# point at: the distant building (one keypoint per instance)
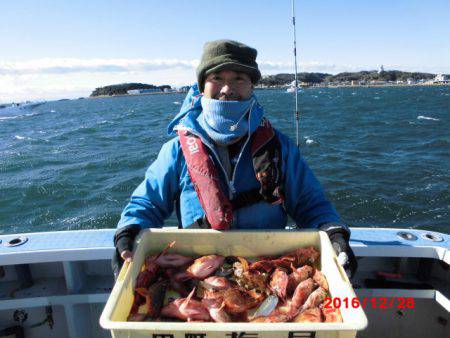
(441, 78)
(410, 81)
(184, 89)
(150, 90)
(377, 82)
(143, 91)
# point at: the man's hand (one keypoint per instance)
(339, 235)
(126, 255)
(123, 241)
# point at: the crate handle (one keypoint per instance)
(123, 271)
(341, 271)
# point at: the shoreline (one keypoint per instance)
(363, 86)
(285, 87)
(132, 95)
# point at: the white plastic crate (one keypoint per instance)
(239, 243)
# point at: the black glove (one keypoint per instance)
(339, 235)
(123, 240)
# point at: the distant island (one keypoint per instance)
(379, 77)
(373, 77)
(129, 89)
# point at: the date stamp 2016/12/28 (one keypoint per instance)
(373, 302)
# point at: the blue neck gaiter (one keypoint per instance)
(225, 121)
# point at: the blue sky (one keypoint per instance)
(53, 49)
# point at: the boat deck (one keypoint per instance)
(64, 279)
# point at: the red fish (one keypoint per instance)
(268, 265)
(237, 301)
(332, 315)
(320, 279)
(186, 309)
(216, 310)
(250, 279)
(172, 309)
(205, 266)
(175, 284)
(302, 292)
(147, 276)
(305, 255)
(312, 315)
(173, 260)
(154, 297)
(279, 282)
(315, 298)
(150, 261)
(216, 283)
(194, 309)
(298, 276)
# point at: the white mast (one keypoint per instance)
(297, 114)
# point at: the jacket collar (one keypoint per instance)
(191, 109)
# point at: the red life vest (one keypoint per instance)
(266, 156)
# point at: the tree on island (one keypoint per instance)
(367, 76)
(123, 88)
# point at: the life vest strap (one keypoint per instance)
(267, 164)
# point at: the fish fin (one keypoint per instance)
(164, 251)
(186, 301)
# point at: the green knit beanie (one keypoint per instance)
(227, 54)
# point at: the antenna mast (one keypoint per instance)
(297, 114)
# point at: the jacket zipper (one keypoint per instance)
(233, 176)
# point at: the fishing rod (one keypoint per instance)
(297, 113)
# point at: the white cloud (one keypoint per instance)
(53, 78)
(64, 66)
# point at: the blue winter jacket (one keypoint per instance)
(167, 184)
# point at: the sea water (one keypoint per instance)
(382, 155)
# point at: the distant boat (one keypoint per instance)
(16, 107)
(292, 90)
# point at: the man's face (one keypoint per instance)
(228, 85)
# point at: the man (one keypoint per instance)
(226, 167)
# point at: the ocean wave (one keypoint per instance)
(309, 140)
(365, 156)
(19, 116)
(8, 117)
(18, 137)
(421, 117)
(31, 114)
(437, 144)
(34, 140)
(105, 121)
